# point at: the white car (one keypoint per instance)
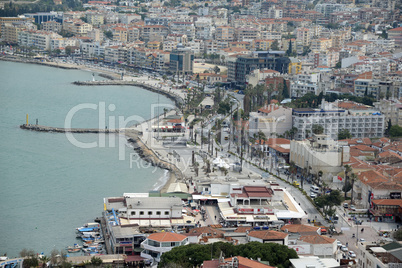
(313, 195)
(338, 243)
(352, 254)
(362, 240)
(344, 248)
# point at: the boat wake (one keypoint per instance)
(161, 181)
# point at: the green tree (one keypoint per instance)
(108, 34)
(96, 261)
(317, 129)
(216, 69)
(344, 134)
(398, 234)
(395, 131)
(338, 65)
(275, 45)
(328, 201)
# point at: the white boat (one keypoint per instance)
(75, 246)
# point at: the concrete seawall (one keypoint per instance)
(150, 156)
(174, 97)
(64, 130)
(132, 135)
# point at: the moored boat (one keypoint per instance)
(73, 250)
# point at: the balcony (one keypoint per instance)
(144, 245)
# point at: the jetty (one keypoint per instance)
(65, 130)
(174, 97)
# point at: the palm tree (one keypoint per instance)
(293, 169)
(348, 169)
(353, 178)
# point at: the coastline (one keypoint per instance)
(145, 152)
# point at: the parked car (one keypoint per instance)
(352, 254)
(362, 240)
(345, 205)
(344, 249)
(296, 184)
(339, 243)
(313, 195)
(352, 207)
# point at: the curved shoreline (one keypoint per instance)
(146, 153)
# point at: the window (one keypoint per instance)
(149, 212)
(158, 213)
(132, 212)
(166, 212)
(141, 212)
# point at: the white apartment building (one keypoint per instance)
(391, 109)
(179, 27)
(39, 39)
(268, 35)
(365, 87)
(320, 154)
(360, 123)
(305, 83)
(270, 119)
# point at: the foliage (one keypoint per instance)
(194, 254)
(384, 34)
(367, 100)
(332, 26)
(395, 131)
(224, 107)
(328, 201)
(108, 34)
(31, 261)
(275, 45)
(398, 234)
(216, 69)
(338, 65)
(317, 129)
(96, 261)
(344, 134)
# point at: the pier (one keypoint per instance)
(174, 97)
(65, 130)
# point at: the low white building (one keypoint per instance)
(268, 236)
(313, 261)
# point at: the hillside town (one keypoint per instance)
(284, 138)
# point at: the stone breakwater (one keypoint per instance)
(132, 135)
(64, 130)
(150, 156)
(174, 97)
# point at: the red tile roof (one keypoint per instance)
(268, 235)
(317, 239)
(167, 237)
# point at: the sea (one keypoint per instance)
(51, 183)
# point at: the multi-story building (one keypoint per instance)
(261, 44)
(328, 8)
(240, 67)
(396, 34)
(95, 18)
(360, 123)
(96, 35)
(77, 27)
(133, 34)
(4, 20)
(303, 35)
(41, 17)
(267, 35)
(153, 32)
(367, 87)
(158, 20)
(271, 120)
(38, 39)
(391, 109)
(321, 153)
(119, 34)
(157, 244)
(11, 31)
(51, 26)
(295, 66)
(183, 28)
(181, 61)
(246, 34)
(320, 44)
(225, 34)
(305, 83)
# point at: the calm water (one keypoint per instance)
(48, 186)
